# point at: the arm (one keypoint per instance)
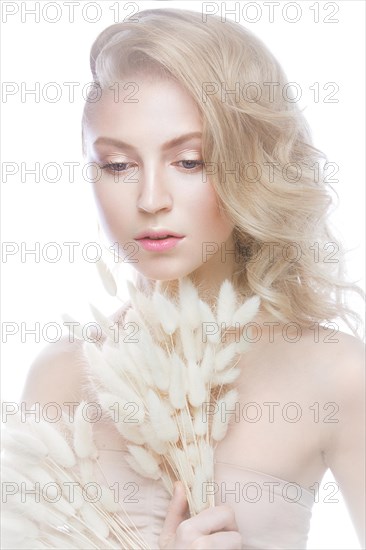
(344, 447)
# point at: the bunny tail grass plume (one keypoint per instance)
(190, 351)
(186, 428)
(225, 406)
(83, 434)
(226, 377)
(207, 363)
(104, 323)
(58, 448)
(109, 501)
(152, 440)
(153, 363)
(94, 521)
(86, 472)
(107, 278)
(131, 432)
(197, 390)
(224, 357)
(146, 462)
(22, 442)
(226, 303)
(164, 365)
(200, 423)
(109, 378)
(143, 311)
(193, 454)
(166, 312)
(132, 291)
(18, 528)
(121, 410)
(178, 383)
(209, 329)
(160, 418)
(188, 302)
(75, 330)
(147, 310)
(135, 365)
(39, 474)
(117, 357)
(247, 311)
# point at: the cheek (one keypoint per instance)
(208, 216)
(110, 197)
(113, 207)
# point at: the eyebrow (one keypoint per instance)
(167, 145)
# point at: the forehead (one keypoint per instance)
(144, 98)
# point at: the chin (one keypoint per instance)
(165, 273)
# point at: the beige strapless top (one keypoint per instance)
(270, 512)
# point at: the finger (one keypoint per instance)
(176, 513)
(210, 520)
(230, 540)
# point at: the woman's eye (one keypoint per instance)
(191, 164)
(118, 167)
(115, 166)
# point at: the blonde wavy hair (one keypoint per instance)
(284, 245)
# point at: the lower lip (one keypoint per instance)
(159, 245)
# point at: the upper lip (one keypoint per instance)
(154, 233)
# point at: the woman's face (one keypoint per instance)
(153, 184)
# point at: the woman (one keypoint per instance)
(204, 169)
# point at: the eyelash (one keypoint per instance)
(111, 165)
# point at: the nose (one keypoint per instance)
(154, 194)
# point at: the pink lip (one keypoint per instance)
(152, 233)
(159, 245)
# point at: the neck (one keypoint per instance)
(207, 290)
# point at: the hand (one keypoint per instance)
(214, 528)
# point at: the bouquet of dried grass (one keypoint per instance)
(49, 497)
(175, 367)
(172, 367)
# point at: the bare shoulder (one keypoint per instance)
(319, 366)
(338, 356)
(56, 374)
(342, 369)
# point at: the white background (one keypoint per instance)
(64, 212)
